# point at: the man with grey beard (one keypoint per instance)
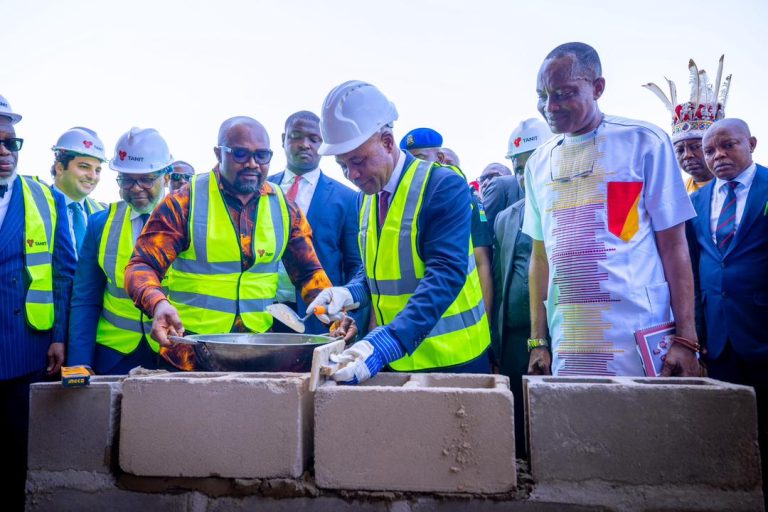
(107, 333)
(34, 298)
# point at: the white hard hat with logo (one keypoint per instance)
(141, 151)
(7, 111)
(352, 113)
(82, 141)
(528, 135)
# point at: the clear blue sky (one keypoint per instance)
(465, 68)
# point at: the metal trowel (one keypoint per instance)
(289, 317)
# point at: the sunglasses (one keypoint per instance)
(242, 155)
(145, 182)
(12, 144)
(177, 176)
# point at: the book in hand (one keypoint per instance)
(653, 344)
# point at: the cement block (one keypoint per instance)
(643, 431)
(74, 428)
(247, 425)
(416, 432)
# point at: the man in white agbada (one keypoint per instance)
(606, 208)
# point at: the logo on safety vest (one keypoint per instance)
(31, 242)
(262, 252)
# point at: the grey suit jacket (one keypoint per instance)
(501, 193)
(512, 255)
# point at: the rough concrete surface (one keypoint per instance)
(251, 425)
(74, 428)
(421, 432)
(666, 434)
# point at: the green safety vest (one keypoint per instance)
(394, 269)
(208, 286)
(121, 324)
(39, 224)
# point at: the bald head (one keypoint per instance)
(239, 125)
(728, 147)
(448, 156)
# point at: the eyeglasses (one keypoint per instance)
(177, 176)
(242, 155)
(12, 144)
(572, 161)
(145, 182)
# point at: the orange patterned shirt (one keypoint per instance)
(165, 235)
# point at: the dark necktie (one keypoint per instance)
(144, 218)
(3, 190)
(383, 206)
(726, 222)
(78, 224)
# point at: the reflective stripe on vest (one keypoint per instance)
(39, 222)
(394, 270)
(121, 325)
(92, 206)
(208, 286)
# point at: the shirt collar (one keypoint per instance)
(745, 177)
(68, 200)
(394, 179)
(311, 176)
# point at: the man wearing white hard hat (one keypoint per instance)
(107, 332)
(76, 171)
(37, 262)
(505, 191)
(419, 272)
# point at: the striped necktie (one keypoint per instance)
(726, 222)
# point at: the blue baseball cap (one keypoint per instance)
(421, 138)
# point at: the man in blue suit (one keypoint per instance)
(331, 209)
(37, 262)
(729, 247)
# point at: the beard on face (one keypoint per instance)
(247, 187)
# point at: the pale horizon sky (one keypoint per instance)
(466, 69)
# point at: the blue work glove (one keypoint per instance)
(365, 358)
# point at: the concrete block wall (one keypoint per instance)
(654, 438)
(197, 441)
(247, 425)
(419, 432)
(74, 428)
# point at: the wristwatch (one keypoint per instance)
(537, 343)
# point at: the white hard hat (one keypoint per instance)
(140, 151)
(7, 111)
(82, 141)
(528, 135)
(352, 113)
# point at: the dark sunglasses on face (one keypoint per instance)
(177, 176)
(242, 155)
(12, 144)
(145, 182)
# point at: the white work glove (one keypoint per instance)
(365, 358)
(335, 300)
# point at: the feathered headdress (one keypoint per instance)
(690, 119)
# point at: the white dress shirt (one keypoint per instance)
(6, 199)
(307, 187)
(71, 213)
(718, 197)
(394, 179)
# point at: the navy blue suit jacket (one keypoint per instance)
(23, 350)
(732, 288)
(333, 215)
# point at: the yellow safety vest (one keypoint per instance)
(39, 224)
(394, 269)
(208, 286)
(121, 325)
(92, 206)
